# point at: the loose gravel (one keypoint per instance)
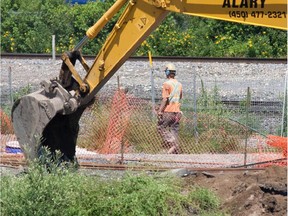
(266, 81)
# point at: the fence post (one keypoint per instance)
(122, 144)
(10, 85)
(284, 111)
(118, 83)
(152, 84)
(195, 105)
(248, 102)
(53, 48)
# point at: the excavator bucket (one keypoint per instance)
(48, 117)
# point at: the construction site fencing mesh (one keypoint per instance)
(122, 129)
(125, 128)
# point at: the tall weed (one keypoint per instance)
(59, 190)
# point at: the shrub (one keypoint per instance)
(204, 199)
(50, 188)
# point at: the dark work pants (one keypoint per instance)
(168, 128)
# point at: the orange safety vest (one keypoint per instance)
(172, 89)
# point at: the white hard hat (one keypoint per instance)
(170, 68)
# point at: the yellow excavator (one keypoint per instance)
(49, 117)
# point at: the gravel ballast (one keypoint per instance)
(266, 81)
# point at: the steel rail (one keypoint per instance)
(156, 58)
(226, 102)
(119, 167)
(266, 107)
(16, 161)
(273, 105)
(151, 168)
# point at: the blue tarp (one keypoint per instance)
(78, 1)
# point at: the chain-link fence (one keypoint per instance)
(215, 135)
(122, 128)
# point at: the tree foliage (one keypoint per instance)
(28, 26)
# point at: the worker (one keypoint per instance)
(169, 113)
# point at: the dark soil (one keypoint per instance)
(248, 193)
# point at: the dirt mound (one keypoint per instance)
(247, 193)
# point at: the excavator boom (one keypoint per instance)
(141, 17)
(49, 117)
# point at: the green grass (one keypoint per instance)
(55, 190)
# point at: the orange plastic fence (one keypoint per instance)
(6, 125)
(118, 123)
(125, 127)
(279, 142)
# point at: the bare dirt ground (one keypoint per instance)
(248, 193)
(242, 193)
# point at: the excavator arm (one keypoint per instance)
(49, 117)
(141, 17)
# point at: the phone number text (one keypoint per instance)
(258, 14)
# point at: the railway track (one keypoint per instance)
(16, 161)
(157, 58)
(237, 102)
(255, 106)
(264, 107)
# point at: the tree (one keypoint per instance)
(27, 27)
